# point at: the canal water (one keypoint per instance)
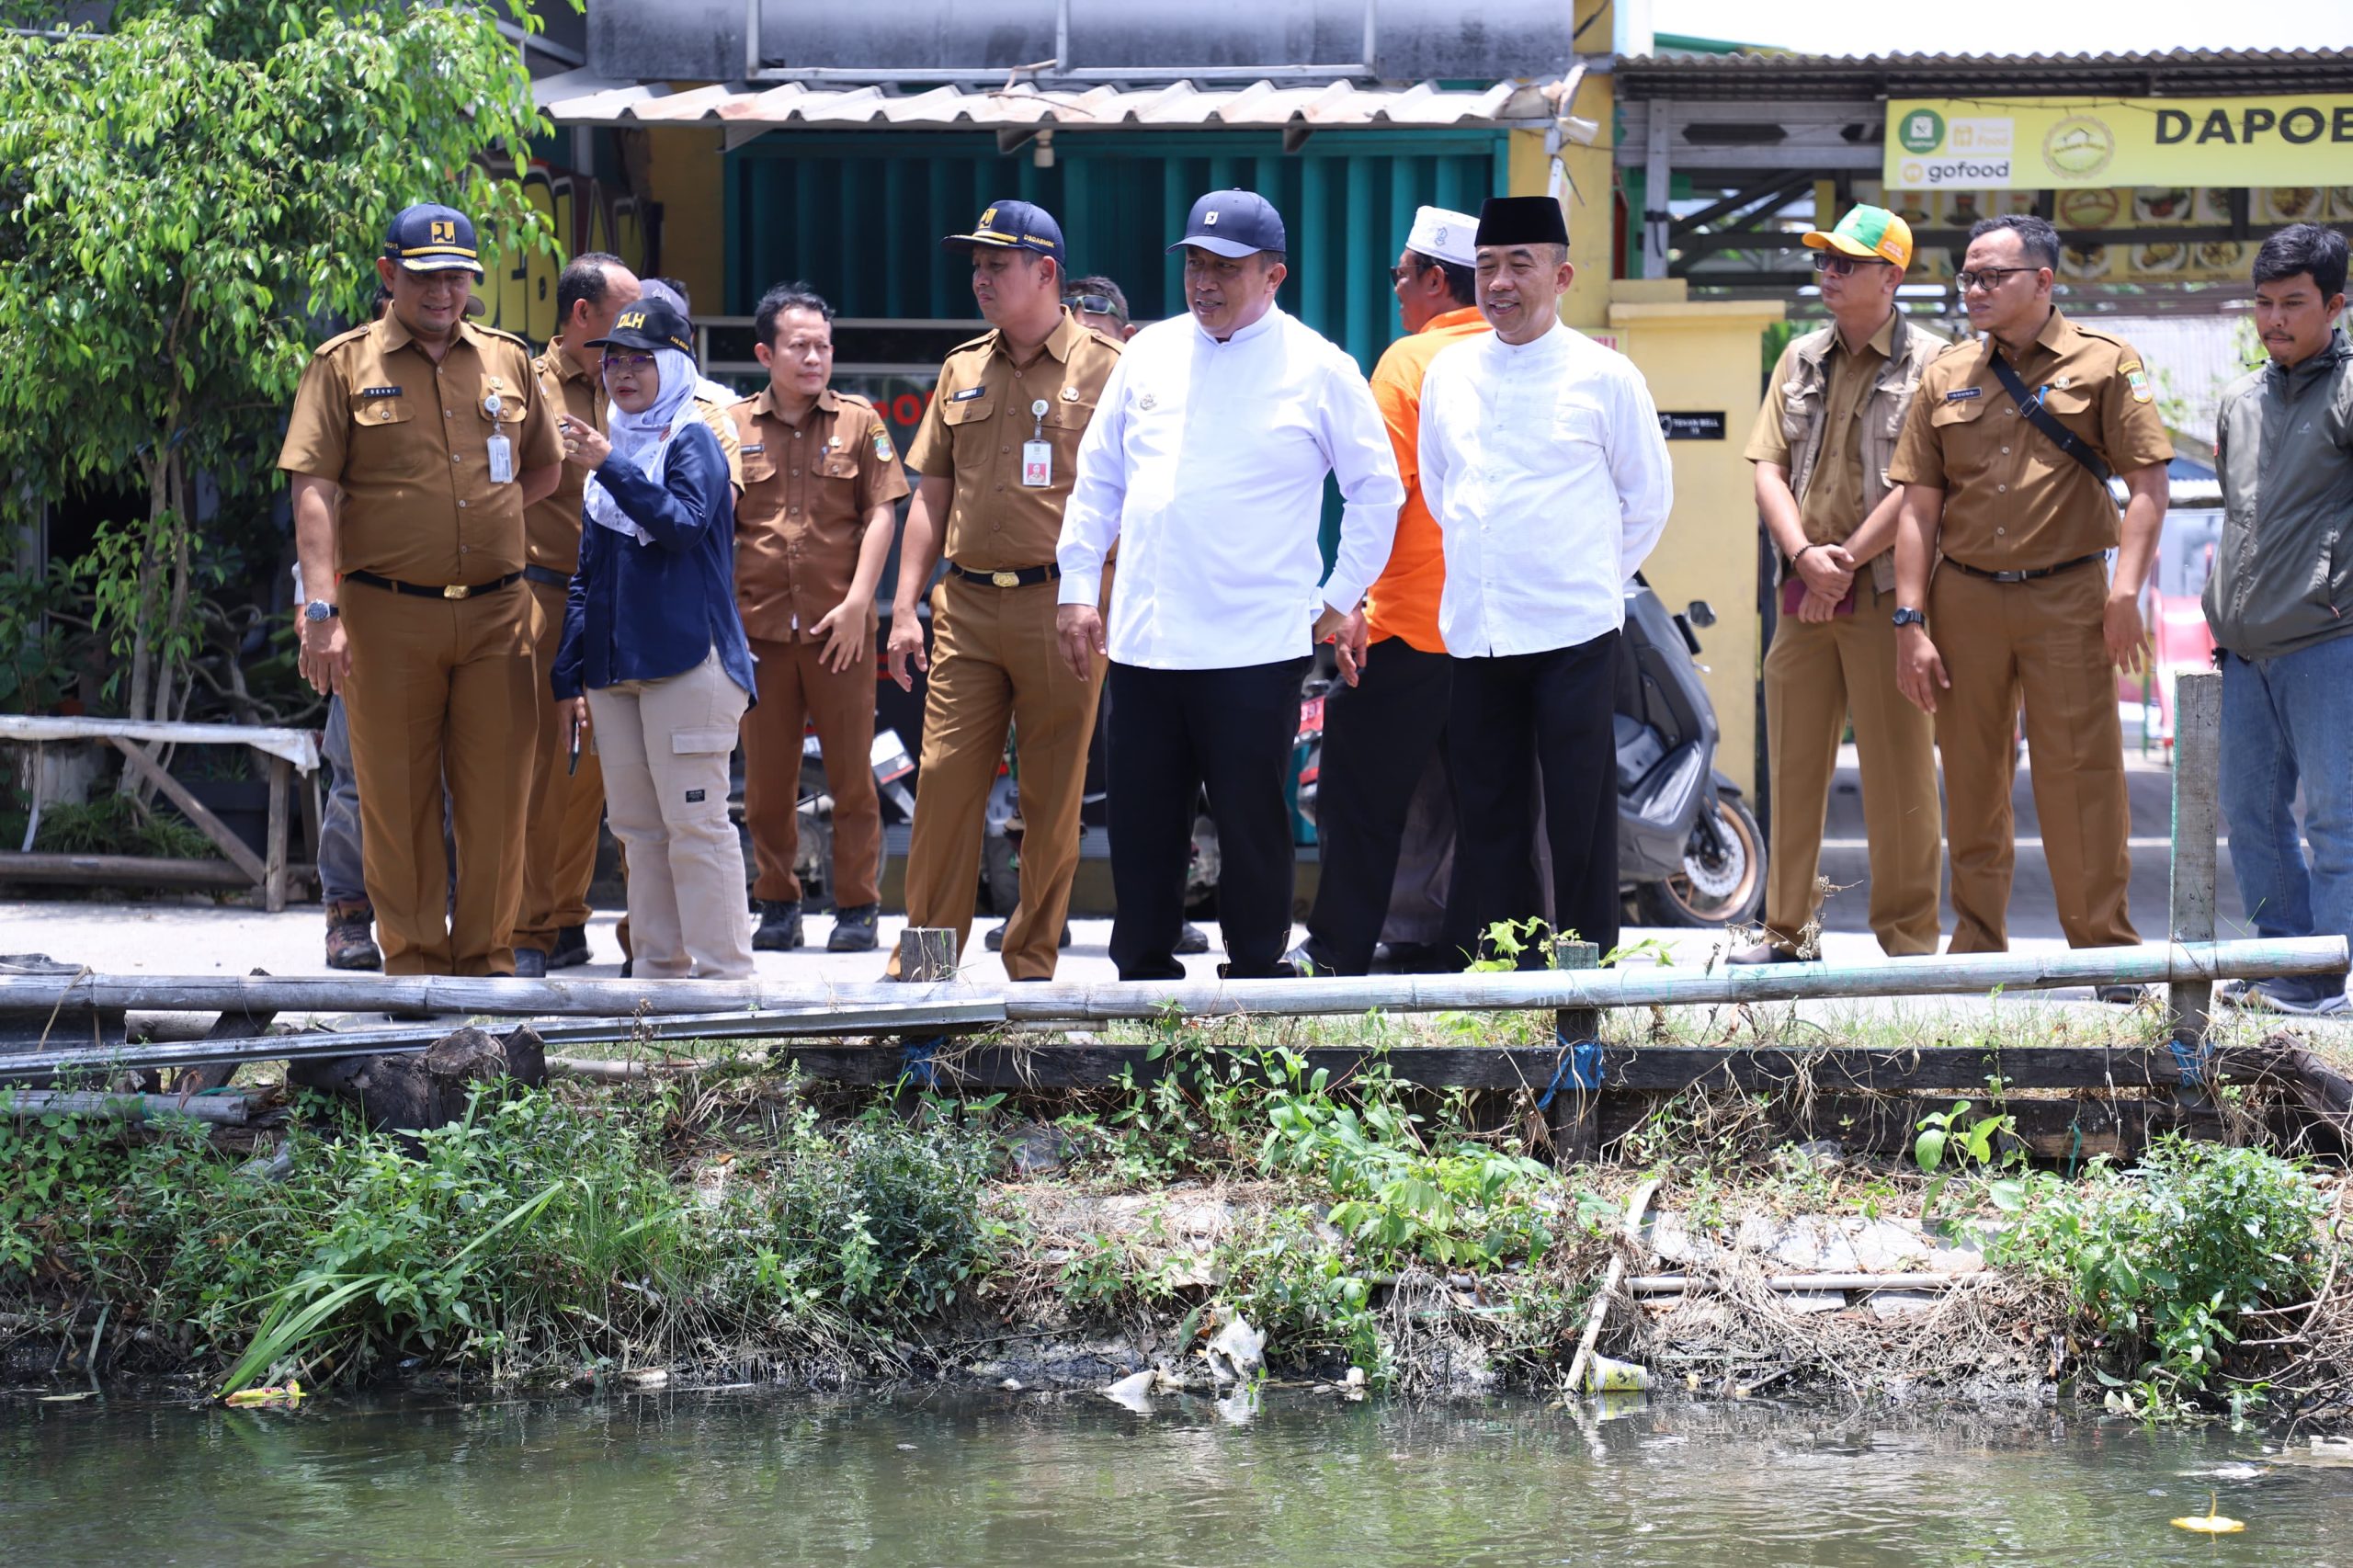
(1037, 1481)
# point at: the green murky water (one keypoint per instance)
(755, 1476)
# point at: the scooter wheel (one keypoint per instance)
(1721, 884)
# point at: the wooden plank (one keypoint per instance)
(1888, 1125)
(298, 746)
(135, 870)
(273, 875)
(212, 827)
(926, 954)
(2197, 769)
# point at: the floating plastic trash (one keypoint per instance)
(2209, 1522)
(1603, 1375)
(283, 1394)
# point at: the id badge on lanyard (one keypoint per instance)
(1037, 452)
(502, 451)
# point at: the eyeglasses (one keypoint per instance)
(1399, 274)
(1840, 266)
(633, 362)
(1096, 305)
(1988, 278)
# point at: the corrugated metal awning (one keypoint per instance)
(581, 98)
(2180, 72)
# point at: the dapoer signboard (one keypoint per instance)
(2064, 143)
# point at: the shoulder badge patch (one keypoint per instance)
(1962, 394)
(2138, 380)
(882, 451)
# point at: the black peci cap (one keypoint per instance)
(1522, 221)
(650, 325)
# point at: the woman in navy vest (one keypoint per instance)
(650, 636)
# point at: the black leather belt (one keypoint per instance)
(1019, 579)
(2024, 577)
(418, 590)
(548, 574)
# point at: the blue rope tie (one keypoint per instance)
(2190, 1061)
(918, 1063)
(1579, 1068)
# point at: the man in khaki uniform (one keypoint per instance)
(2005, 460)
(995, 456)
(1821, 445)
(434, 436)
(567, 798)
(821, 485)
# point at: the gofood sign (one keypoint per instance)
(2062, 143)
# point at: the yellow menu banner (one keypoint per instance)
(2069, 144)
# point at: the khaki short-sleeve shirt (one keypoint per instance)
(808, 491)
(407, 440)
(985, 411)
(2014, 500)
(1832, 507)
(552, 525)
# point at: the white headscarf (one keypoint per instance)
(644, 439)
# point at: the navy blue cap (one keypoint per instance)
(430, 238)
(1013, 225)
(649, 325)
(1233, 223)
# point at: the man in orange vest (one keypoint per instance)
(1384, 726)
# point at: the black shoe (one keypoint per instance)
(1191, 939)
(780, 929)
(570, 946)
(1285, 967)
(530, 964)
(1763, 952)
(1308, 960)
(853, 929)
(995, 940)
(2121, 995)
(628, 966)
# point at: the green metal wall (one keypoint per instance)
(859, 213)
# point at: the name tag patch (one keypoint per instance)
(967, 395)
(380, 391)
(755, 449)
(1962, 394)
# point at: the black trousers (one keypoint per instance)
(1174, 732)
(1510, 715)
(1378, 737)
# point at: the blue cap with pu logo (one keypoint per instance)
(1013, 225)
(432, 238)
(1234, 223)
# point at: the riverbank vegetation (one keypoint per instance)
(734, 1221)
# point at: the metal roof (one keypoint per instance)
(2173, 73)
(581, 98)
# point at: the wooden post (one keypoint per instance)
(273, 881)
(926, 954)
(1574, 1111)
(232, 849)
(2196, 763)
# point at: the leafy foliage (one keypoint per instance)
(2164, 1259)
(182, 201)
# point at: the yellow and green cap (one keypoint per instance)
(1868, 232)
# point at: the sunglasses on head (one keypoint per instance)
(1095, 305)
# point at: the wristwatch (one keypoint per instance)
(318, 609)
(1910, 617)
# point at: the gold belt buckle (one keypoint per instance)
(456, 591)
(1006, 579)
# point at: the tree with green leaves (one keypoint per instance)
(187, 200)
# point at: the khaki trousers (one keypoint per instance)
(566, 806)
(666, 746)
(440, 688)
(795, 685)
(996, 660)
(1817, 674)
(2041, 641)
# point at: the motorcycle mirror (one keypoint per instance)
(1701, 613)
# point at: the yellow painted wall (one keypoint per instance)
(684, 168)
(1703, 357)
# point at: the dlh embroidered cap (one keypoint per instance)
(1443, 235)
(430, 238)
(1868, 231)
(1234, 223)
(650, 325)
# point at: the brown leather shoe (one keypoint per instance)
(351, 939)
(1763, 952)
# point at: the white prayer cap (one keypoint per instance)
(1445, 235)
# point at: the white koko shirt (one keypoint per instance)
(1545, 469)
(1206, 461)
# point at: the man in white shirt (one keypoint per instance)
(1205, 461)
(1541, 460)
